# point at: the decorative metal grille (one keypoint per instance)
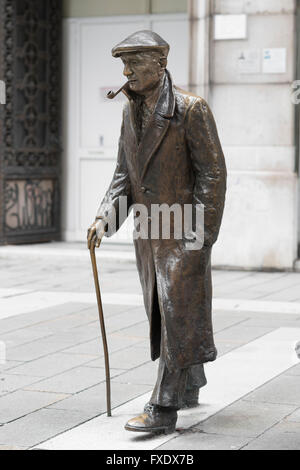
(28, 204)
(30, 34)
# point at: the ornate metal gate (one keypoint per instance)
(30, 42)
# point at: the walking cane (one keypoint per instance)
(102, 325)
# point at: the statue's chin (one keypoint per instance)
(134, 87)
(141, 90)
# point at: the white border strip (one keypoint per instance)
(17, 302)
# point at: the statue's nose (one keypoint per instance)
(127, 71)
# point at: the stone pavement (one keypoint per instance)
(52, 378)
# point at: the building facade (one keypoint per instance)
(241, 56)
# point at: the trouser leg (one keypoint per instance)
(170, 386)
(195, 377)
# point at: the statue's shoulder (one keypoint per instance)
(189, 102)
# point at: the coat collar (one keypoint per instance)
(166, 102)
(157, 126)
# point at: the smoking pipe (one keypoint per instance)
(111, 94)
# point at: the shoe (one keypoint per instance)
(156, 419)
(190, 400)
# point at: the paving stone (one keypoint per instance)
(66, 322)
(201, 441)
(266, 286)
(10, 383)
(144, 343)
(124, 287)
(140, 330)
(9, 365)
(36, 349)
(92, 401)
(288, 294)
(73, 381)
(227, 340)
(52, 364)
(295, 417)
(274, 320)
(85, 332)
(2, 447)
(233, 292)
(79, 366)
(127, 358)
(223, 293)
(239, 294)
(94, 347)
(282, 390)
(117, 323)
(241, 334)
(22, 402)
(222, 322)
(283, 436)
(229, 277)
(224, 347)
(39, 316)
(78, 335)
(293, 370)
(245, 419)
(109, 309)
(38, 427)
(22, 336)
(144, 374)
(266, 283)
(122, 321)
(118, 341)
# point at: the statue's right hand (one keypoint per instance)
(95, 233)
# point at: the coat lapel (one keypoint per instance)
(132, 124)
(157, 126)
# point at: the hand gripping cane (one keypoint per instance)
(102, 325)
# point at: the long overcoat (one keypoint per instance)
(178, 160)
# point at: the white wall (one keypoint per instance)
(97, 8)
(255, 118)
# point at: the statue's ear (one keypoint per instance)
(163, 62)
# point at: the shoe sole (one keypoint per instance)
(168, 430)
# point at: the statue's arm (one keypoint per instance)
(119, 188)
(209, 167)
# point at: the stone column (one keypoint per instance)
(199, 19)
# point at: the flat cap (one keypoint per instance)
(141, 41)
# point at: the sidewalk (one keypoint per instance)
(52, 384)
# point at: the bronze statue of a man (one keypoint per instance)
(169, 153)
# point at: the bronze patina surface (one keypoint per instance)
(169, 152)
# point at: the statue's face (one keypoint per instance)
(143, 70)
